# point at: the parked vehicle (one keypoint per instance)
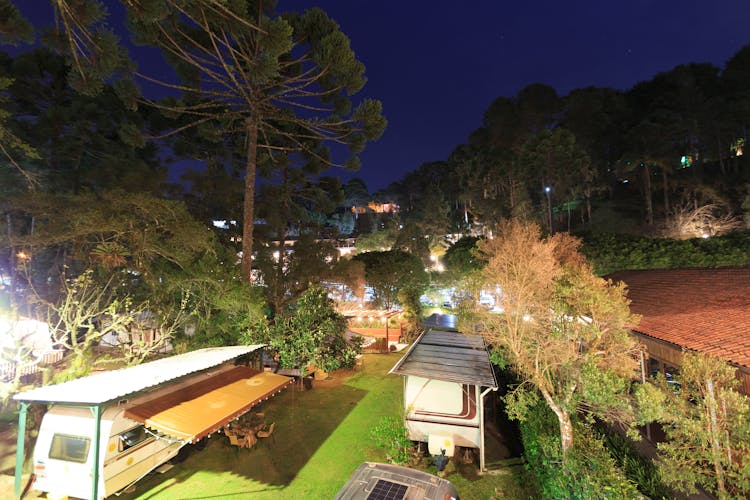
(107, 430)
(63, 456)
(376, 480)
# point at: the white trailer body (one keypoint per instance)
(442, 414)
(447, 375)
(63, 456)
(143, 416)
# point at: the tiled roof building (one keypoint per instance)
(705, 310)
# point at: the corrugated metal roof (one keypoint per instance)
(108, 386)
(445, 322)
(450, 356)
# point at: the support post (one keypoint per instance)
(387, 336)
(643, 381)
(97, 411)
(20, 441)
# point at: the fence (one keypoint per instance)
(10, 369)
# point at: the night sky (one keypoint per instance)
(437, 65)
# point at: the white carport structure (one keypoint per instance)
(185, 413)
(447, 375)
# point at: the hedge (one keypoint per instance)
(611, 252)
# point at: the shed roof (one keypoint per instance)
(705, 310)
(450, 356)
(107, 386)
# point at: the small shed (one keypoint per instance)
(447, 375)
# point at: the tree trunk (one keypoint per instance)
(248, 208)
(647, 195)
(11, 262)
(566, 426)
(665, 186)
(714, 434)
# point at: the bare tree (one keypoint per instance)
(712, 219)
(88, 312)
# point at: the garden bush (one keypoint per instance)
(611, 252)
(639, 469)
(589, 472)
(391, 435)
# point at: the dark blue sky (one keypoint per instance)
(436, 65)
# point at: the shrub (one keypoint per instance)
(588, 472)
(392, 436)
(611, 252)
(641, 470)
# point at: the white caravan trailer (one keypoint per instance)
(446, 377)
(106, 431)
(63, 457)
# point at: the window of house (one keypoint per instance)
(654, 367)
(672, 374)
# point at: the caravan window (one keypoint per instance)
(133, 437)
(69, 448)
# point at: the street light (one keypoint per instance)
(547, 191)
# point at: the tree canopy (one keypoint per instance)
(389, 271)
(312, 334)
(563, 330)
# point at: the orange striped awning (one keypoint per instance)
(195, 411)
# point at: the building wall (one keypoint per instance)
(665, 355)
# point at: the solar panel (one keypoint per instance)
(386, 490)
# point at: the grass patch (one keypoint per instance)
(321, 437)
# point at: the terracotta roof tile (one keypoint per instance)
(701, 309)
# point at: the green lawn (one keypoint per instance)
(321, 437)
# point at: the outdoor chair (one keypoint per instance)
(235, 440)
(267, 433)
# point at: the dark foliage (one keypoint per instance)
(611, 252)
